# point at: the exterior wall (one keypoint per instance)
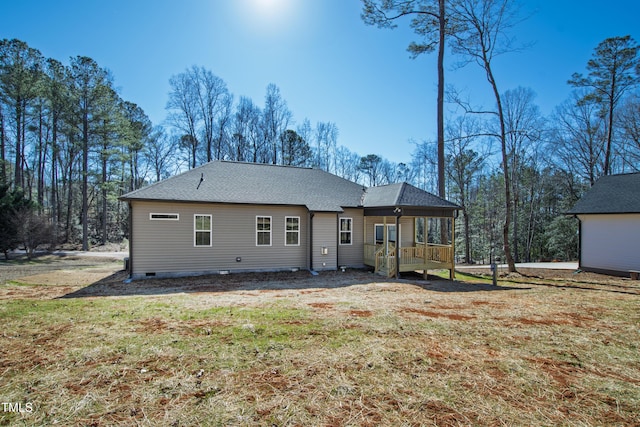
(353, 255)
(610, 242)
(166, 247)
(325, 235)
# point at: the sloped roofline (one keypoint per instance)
(233, 182)
(611, 194)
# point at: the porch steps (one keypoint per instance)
(383, 271)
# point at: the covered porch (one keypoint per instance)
(405, 239)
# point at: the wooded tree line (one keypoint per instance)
(591, 134)
(71, 146)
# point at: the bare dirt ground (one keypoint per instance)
(77, 276)
(544, 347)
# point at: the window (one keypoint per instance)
(263, 231)
(292, 231)
(201, 230)
(345, 231)
(391, 234)
(419, 230)
(164, 216)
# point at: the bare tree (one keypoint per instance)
(246, 131)
(425, 169)
(523, 128)
(184, 113)
(482, 37)
(579, 138)
(430, 22)
(157, 152)
(214, 104)
(346, 164)
(326, 138)
(32, 228)
(629, 120)
(464, 165)
(275, 119)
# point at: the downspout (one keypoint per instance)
(398, 243)
(311, 241)
(130, 240)
(579, 241)
(338, 241)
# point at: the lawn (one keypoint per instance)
(336, 349)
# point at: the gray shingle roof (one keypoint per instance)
(613, 194)
(403, 194)
(253, 183)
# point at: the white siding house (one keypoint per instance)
(609, 215)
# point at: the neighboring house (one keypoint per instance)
(233, 217)
(609, 215)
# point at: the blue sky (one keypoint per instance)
(327, 63)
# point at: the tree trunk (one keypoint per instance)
(85, 183)
(69, 186)
(3, 166)
(18, 160)
(607, 154)
(104, 195)
(54, 181)
(440, 111)
(467, 238)
(505, 170)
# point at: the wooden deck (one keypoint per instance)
(420, 257)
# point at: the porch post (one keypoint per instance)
(364, 231)
(385, 243)
(425, 273)
(452, 272)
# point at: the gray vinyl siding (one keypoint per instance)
(325, 234)
(167, 247)
(353, 255)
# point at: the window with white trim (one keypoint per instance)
(420, 230)
(201, 230)
(292, 231)
(346, 231)
(263, 231)
(164, 216)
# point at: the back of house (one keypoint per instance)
(240, 217)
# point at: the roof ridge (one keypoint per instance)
(403, 186)
(240, 162)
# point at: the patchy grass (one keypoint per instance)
(332, 350)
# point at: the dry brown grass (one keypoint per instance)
(333, 350)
